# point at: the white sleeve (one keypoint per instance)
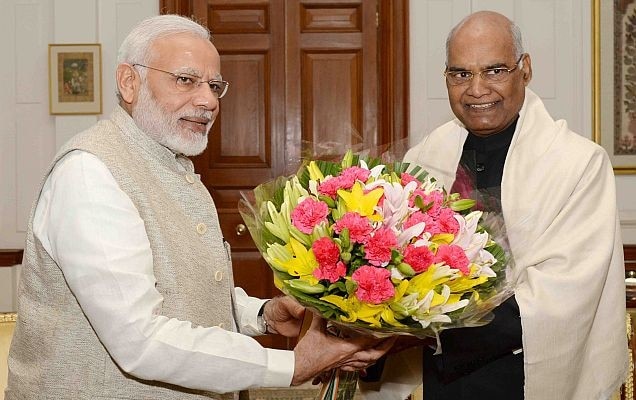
(93, 231)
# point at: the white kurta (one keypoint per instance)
(559, 204)
(174, 351)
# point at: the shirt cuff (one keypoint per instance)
(249, 317)
(280, 368)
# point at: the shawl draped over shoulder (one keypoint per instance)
(559, 204)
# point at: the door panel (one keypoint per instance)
(339, 120)
(303, 74)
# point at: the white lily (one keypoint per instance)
(414, 231)
(375, 171)
(276, 255)
(279, 226)
(467, 238)
(396, 200)
(426, 314)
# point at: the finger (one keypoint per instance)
(356, 366)
(351, 368)
(318, 324)
(386, 344)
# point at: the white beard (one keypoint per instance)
(163, 126)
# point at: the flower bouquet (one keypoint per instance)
(378, 248)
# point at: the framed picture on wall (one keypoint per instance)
(75, 79)
(614, 81)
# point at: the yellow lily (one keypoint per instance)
(363, 204)
(427, 281)
(303, 262)
(465, 283)
(442, 238)
(314, 172)
(357, 310)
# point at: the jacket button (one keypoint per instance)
(218, 276)
(201, 228)
(190, 178)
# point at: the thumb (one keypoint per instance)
(298, 312)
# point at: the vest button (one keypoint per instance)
(218, 276)
(190, 178)
(201, 228)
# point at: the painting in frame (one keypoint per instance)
(614, 81)
(75, 79)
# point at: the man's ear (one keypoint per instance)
(526, 69)
(128, 83)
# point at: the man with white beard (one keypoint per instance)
(127, 289)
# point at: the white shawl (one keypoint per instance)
(559, 204)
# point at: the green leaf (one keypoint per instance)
(305, 287)
(462, 205)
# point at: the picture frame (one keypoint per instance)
(614, 81)
(75, 79)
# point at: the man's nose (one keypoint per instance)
(205, 97)
(477, 86)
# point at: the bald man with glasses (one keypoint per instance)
(562, 335)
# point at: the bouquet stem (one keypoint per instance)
(341, 386)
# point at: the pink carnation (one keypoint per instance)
(331, 272)
(327, 254)
(419, 258)
(374, 284)
(309, 213)
(353, 174)
(443, 221)
(406, 178)
(415, 219)
(331, 186)
(359, 227)
(453, 256)
(436, 197)
(378, 247)
(447, 222)
(326, 251)
(345, 180)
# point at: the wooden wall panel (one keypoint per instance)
(10, 257)
(333, 118)
(344, 18)
(242, 133)
(242, 19)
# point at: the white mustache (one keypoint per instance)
(197, 114)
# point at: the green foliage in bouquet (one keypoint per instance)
(378, 246)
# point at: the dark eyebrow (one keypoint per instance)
(492, 66)
(498, 65)
(456, 69)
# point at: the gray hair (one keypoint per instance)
(515, 33)
(135, 49)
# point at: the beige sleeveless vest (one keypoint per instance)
(55, 354)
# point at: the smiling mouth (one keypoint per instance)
(201, 121)
(483, 106)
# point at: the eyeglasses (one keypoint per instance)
(187, 82)
(490, 75)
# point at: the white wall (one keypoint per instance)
(558, 36)
(29, 136)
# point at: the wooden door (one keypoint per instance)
(304, 76)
